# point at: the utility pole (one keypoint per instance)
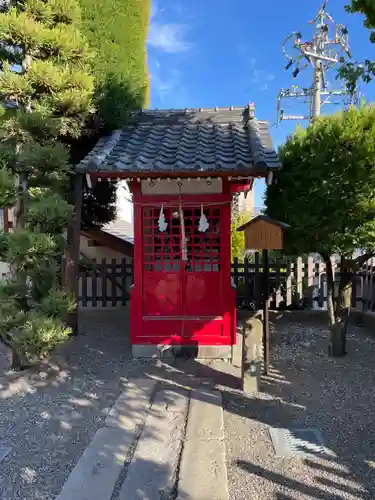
(327, 48)
(316, 101)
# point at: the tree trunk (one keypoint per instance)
(337, 344)
(19, 223)
(20, 208)
(71, 257)
(330, 299)
(16, 360)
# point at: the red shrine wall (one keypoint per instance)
(182, 284)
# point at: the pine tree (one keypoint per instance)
(46, 94)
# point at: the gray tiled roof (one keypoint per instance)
(120, 228)
(191, 140)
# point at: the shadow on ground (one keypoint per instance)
(48, 418)
(305, 389)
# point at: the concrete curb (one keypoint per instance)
(96, 472)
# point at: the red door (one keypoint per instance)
(183, 295)
(162, 284)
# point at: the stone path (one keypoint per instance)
(158, 443)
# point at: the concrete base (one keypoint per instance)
(182, 351)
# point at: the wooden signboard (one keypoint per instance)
(263, 233)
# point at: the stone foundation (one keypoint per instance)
(181, 351)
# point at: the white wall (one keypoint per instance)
(123, 202)
(246, 205)
(4, 269)
(100, 252)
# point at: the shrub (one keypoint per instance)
(38, 336)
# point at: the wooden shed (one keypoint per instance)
(264, 233)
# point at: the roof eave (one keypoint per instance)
(258, 170)
(265, 218)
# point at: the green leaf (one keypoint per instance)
(326, 188)
(49, 214)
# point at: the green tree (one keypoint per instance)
(46, 94)
(326, 192)
(116, 30)
(237, 238)
(365, 70)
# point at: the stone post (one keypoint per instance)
(252, 348)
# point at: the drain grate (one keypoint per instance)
(299, 443)
(4, 450)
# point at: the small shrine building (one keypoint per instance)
(183, 168)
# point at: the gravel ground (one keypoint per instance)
(306, 389)
(49, 418)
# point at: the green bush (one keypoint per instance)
(38, 336)
(55, 303)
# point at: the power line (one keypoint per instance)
(329, 46)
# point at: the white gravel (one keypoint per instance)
(306, 388)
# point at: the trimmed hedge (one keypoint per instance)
(117, 31)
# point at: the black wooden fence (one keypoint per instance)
(105, 283)
(293, 283)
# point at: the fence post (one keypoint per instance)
(310, 279)
(103, 274)
(266, 319)
(288, 291)
(257, 281)
(94, 284)
(278, 274)
(235, 271)
(299, 280)
(123, 281)
(113, 282)
(362, 276)
(354, 291)
(336, 269)
(246, 281)
(365, 286)
(84, 288)
(321, 270)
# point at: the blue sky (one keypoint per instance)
(206, 53)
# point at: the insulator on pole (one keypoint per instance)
(321, 53)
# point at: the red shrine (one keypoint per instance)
(183, 168)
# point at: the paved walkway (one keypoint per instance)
(158, 442)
